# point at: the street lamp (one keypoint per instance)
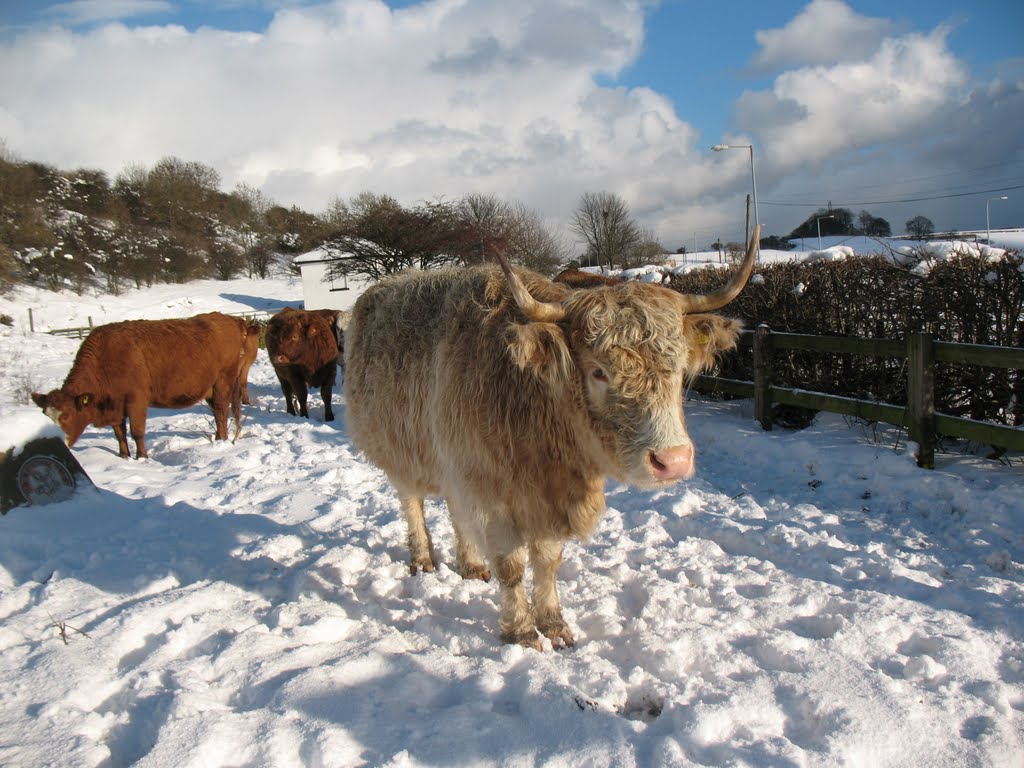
(988, 229)
(604, 239)
(830, 216)
(753, 178)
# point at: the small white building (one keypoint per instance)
(318, 290)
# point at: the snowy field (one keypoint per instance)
(810, 598)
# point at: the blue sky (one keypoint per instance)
(899, 108)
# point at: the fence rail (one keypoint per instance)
(921, 352)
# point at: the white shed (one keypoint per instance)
(318, 290)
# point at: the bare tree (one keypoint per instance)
(539, 249)
(647, 250)
(920, 227)
(488, 219)
(381, 237)
(336, 216)
(603, 221)
(254, 231)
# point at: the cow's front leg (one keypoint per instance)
(289, 396)
(137, 420)
(545, 558)
(418, 536)
(302, 395)
(121, 433)
(517, 626)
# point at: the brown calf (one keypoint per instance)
(303, 348)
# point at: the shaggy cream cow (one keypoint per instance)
(514, 398)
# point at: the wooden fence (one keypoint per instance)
(921, 352)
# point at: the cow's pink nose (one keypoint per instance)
(675, 463)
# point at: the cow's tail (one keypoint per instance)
(236, 390)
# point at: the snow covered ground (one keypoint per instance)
(810, 598)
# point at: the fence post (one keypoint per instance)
(921, 396)
(763, 376)
(31, 324)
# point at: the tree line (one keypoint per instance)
(173, 223)
(841, 221)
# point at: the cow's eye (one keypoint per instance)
(599, 374)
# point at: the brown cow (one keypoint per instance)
(123, 368)
(514, 398)
(303, 347)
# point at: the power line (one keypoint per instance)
(961, 172)
(890, 202)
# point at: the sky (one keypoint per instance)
(898, 108)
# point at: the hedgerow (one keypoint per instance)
(964, 299)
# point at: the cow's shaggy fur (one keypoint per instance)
(122, 369)
(514, 397)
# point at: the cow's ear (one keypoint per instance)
(83, 400)
(708, 336)
(542, 349)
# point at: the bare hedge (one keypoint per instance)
(966, 300)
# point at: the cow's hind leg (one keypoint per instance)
(238, 396)
(219, 404)
(545, 558)
(418, 536)
(325, 393)
(516, 623)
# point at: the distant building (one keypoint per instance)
(318, 290)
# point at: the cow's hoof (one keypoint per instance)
(427, 566)
(557, 631)
(525, 638)
(477, 571)
(563, 639)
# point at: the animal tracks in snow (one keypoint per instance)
(249, 603)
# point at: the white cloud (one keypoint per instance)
(91, 11)
(815, 112)
(441, 98)
(825, 32)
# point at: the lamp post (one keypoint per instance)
(753, 178)
(830, 216)
(988, 228)
(604, 241)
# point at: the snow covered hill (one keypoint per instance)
(810, 598)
